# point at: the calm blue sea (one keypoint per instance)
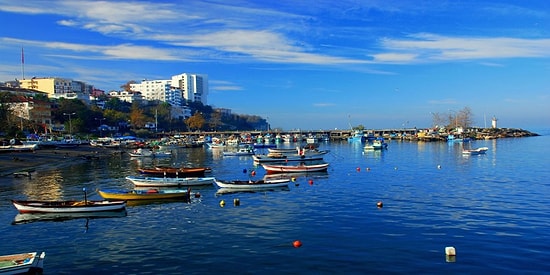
(493, 208)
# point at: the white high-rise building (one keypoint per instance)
(182, 87)
(194, 87)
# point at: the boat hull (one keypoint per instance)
(272, 169)
(251, 185)
(67, 206)
(173, 172)
(143, 194)
(24, 263)
(170, 182)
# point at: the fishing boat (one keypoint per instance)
(140, 152)
(476, 151)
(304, 155)
(23, 263)
(241, 151)
(18, 147)
(67, 206)
(377, 144)
(251, 184)
(173, 172)
(169, 182)
(302, 167)
(150, 194)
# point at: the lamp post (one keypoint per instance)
(100, 123)
(70, 122)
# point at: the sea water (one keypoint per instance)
(493, 209)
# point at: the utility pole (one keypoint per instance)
(70, 122)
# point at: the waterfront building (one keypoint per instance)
(126, 96)
(57, 87)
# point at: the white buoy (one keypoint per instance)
(450, 251)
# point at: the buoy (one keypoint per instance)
(297, 243)
(293, 179)
(310, 182)
(253, 173)
(450, 251)
(197, 195)
(395, 168)
(379, 204)
(439, 166)
(244, 171)
(368, 168)
(222, 203)
(236, 202)
(358, 169)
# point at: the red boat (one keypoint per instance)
(272, 169)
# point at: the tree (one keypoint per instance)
(126, 86)
(215, 120)
(137, 117)
(195, 122)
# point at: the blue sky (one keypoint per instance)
(303, 64)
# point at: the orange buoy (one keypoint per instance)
(297, 243)
(379, 204)
(310, 182)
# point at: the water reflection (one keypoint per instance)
(58, 217)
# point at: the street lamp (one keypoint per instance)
(70, 122)
(100, 128)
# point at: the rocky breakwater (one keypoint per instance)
(490, 133)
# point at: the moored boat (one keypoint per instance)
(174, 171)
(272, 169)
(150, 194)
(23, 263)
(67, 206)
(251, 184)
(149, 153)
(476, 151)
(169, 182)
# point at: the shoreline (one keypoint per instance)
(23, 163)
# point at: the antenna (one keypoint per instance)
(23, 62)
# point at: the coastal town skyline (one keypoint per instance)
(302, 65)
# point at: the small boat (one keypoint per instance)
(18, 147)
(251, 184)
(169, 182)
(140, 152)
(377, 144)
(272, 169)
(476, 151)
(285, 157)
(150, 194)
(227, 191)
(67, 206)
(173, 172)
(241, 151)
(23, 263)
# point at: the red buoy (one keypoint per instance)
(358, 169)
(253, 173)
(310, 182)
(297, 243)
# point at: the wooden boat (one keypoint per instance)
(149, 153)
(173, 172)
(23, 263)
(67, 206)
(272, 169)
(285, 158)
(241, 151)
(476, 151)
(250, 184)
(169, 182)
(227, 191)
(150, 194)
